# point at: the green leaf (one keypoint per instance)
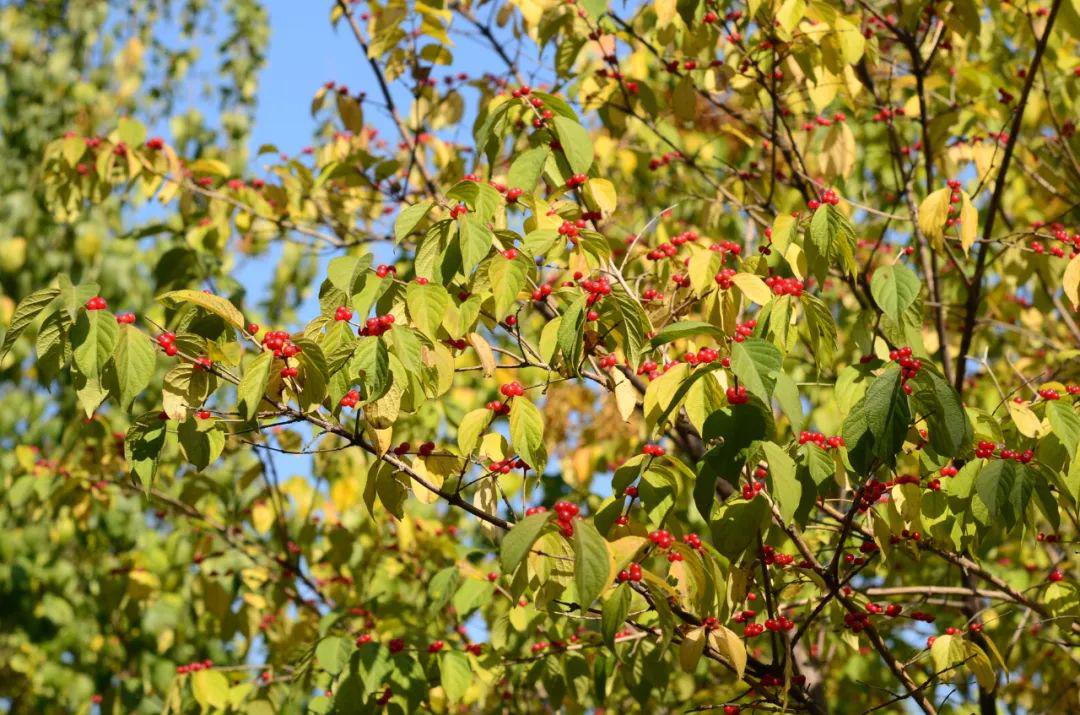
(575, 142)
(592, 563)
(832, 240)
(571, 332)
(370, 364)
(201, 442)
(527, 433)
(785, 486)
(142, 448)
(948, 427)
(131, 132)
(427, 305)
(786, 393)
(476, 240)
(470, 429)
(595, 8)
(134, 361)
(348, 273)
(740, 426)
(1065, 424)
(894, 287)
(517, 542)
(756, 363)
(214, 303)
(455, 674)
(252, 387)
(443, 585)
(332, 653)
(507, 278)
(527, 167)
(25, 312)
(93, 339)
(685, 329)
(614, 612)
(1005, 487)
(409, 219)
(876, 427)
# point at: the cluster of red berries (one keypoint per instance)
(744, 616)
(1049, 394)
(499, 408)
(576, 180)
(512, 195)
(458, 210)
(504, 466)
(693, 541)
(887, 114)
(752, 630)
(571, 229)
(986, 450)
(542, 292)
(752, 489)
(96, 303)
(125, 318)
(662, 538)
(703, 357)
(821, 440)
(383, 270)
(774, 558)
(512, 389)
(744, 330)
(873, 492)
(630, 573)
(280, 342)
(724, 278)
(565, 513)
(1047, 538)
(909, 366)
(167, 342)
(780, 624)
(608, 361)
(820, 121)
(828, 196)
(596, 289)
(856, 622)
(892, 610)
(656, 162)
(653, 450)
(785, 286)
(377, 325)
(737, 395)
(924, 617)
(664, 250)
(350, 399)
(194, 667)
(342, 313)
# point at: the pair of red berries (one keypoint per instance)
(512, 389)
(737, 395)
(96, 303)
(654, 450)
(350, 399)
(632, 573)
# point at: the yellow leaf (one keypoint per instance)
(1026, 421)
(790, 13)
(483, 353)
(969, 222)
(933, 212)
(214, 303)
(625, 395)
(665, 12)
(601, 192)
(1071, 282)
(753, 287)
(730, 645)
(262, 517)
(692, 647)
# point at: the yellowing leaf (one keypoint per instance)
(730, 645)
(933, 212)
(690, 650)
(1071, 282)
(483, 353)
(1026, 421)
(753, 287)
(969, 222)
(214, 303)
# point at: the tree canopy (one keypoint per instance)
(690, 355)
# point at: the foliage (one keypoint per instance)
(731, 366)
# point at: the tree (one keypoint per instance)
(731, 366)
